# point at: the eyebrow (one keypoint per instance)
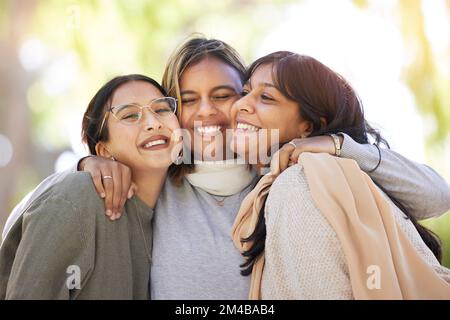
(227, 87)
(140, 104)
(265, 84)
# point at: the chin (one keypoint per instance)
(158, 164)
(159, 161)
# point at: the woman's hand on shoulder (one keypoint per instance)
(288, 154)
(112, 181)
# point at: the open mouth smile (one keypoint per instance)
(155, 143)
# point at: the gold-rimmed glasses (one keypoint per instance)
(131, 113)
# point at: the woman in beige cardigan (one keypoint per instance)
(323, 230)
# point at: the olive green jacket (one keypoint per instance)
(64, 247)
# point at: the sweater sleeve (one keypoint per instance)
(34, 194)
(418, 187)
(51, 251)
(304, 258)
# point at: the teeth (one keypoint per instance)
(154, 143)
(246, 126)
(208, 129)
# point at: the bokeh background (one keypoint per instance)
(55, 54)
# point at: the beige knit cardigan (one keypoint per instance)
(332, 234)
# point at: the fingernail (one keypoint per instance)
(102, 195)
(108, 213)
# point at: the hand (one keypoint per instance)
(288, 155)
(115, 191)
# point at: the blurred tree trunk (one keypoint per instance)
(14, 82)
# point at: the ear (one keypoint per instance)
(102, 150)
(305, 128)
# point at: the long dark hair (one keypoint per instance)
(321, 94)
(98, 106)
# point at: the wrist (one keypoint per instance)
(341, 139)
(337, 144)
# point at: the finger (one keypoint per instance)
(109, 190)
(285, 155)
(132, 191)
(97, 178)
(117, 194)
(275, 163)
(296, 154)
(126, 183)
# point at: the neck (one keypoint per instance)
(149, 183)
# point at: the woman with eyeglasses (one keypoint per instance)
(63, 246)
(193, 255)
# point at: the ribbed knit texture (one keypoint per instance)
(301, 242)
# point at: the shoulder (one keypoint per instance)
(73, 186)
(67, 209)
(72, 192)
(290, 194)
(77, 188)
(291, 180)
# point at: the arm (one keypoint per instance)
(418, 187)
(52, 240)
(18, 210)
(115, 192)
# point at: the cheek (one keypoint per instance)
(229, 108)
(171, 123)
(281, 122)
(233, 112)
(185, 119)
(124, 138)
(291, 120)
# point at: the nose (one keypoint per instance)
(245, 104)
(150, 121)
(206, 109)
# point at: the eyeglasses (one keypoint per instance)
(131, 113)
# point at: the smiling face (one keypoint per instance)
(208, 90)
(263, 106)
(146, 144)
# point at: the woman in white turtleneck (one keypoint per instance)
(193, 254)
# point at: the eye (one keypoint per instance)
(244, 92)
(188, 100)
(130, 116)
(266, 97)
(221, 97)
(163, 110)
